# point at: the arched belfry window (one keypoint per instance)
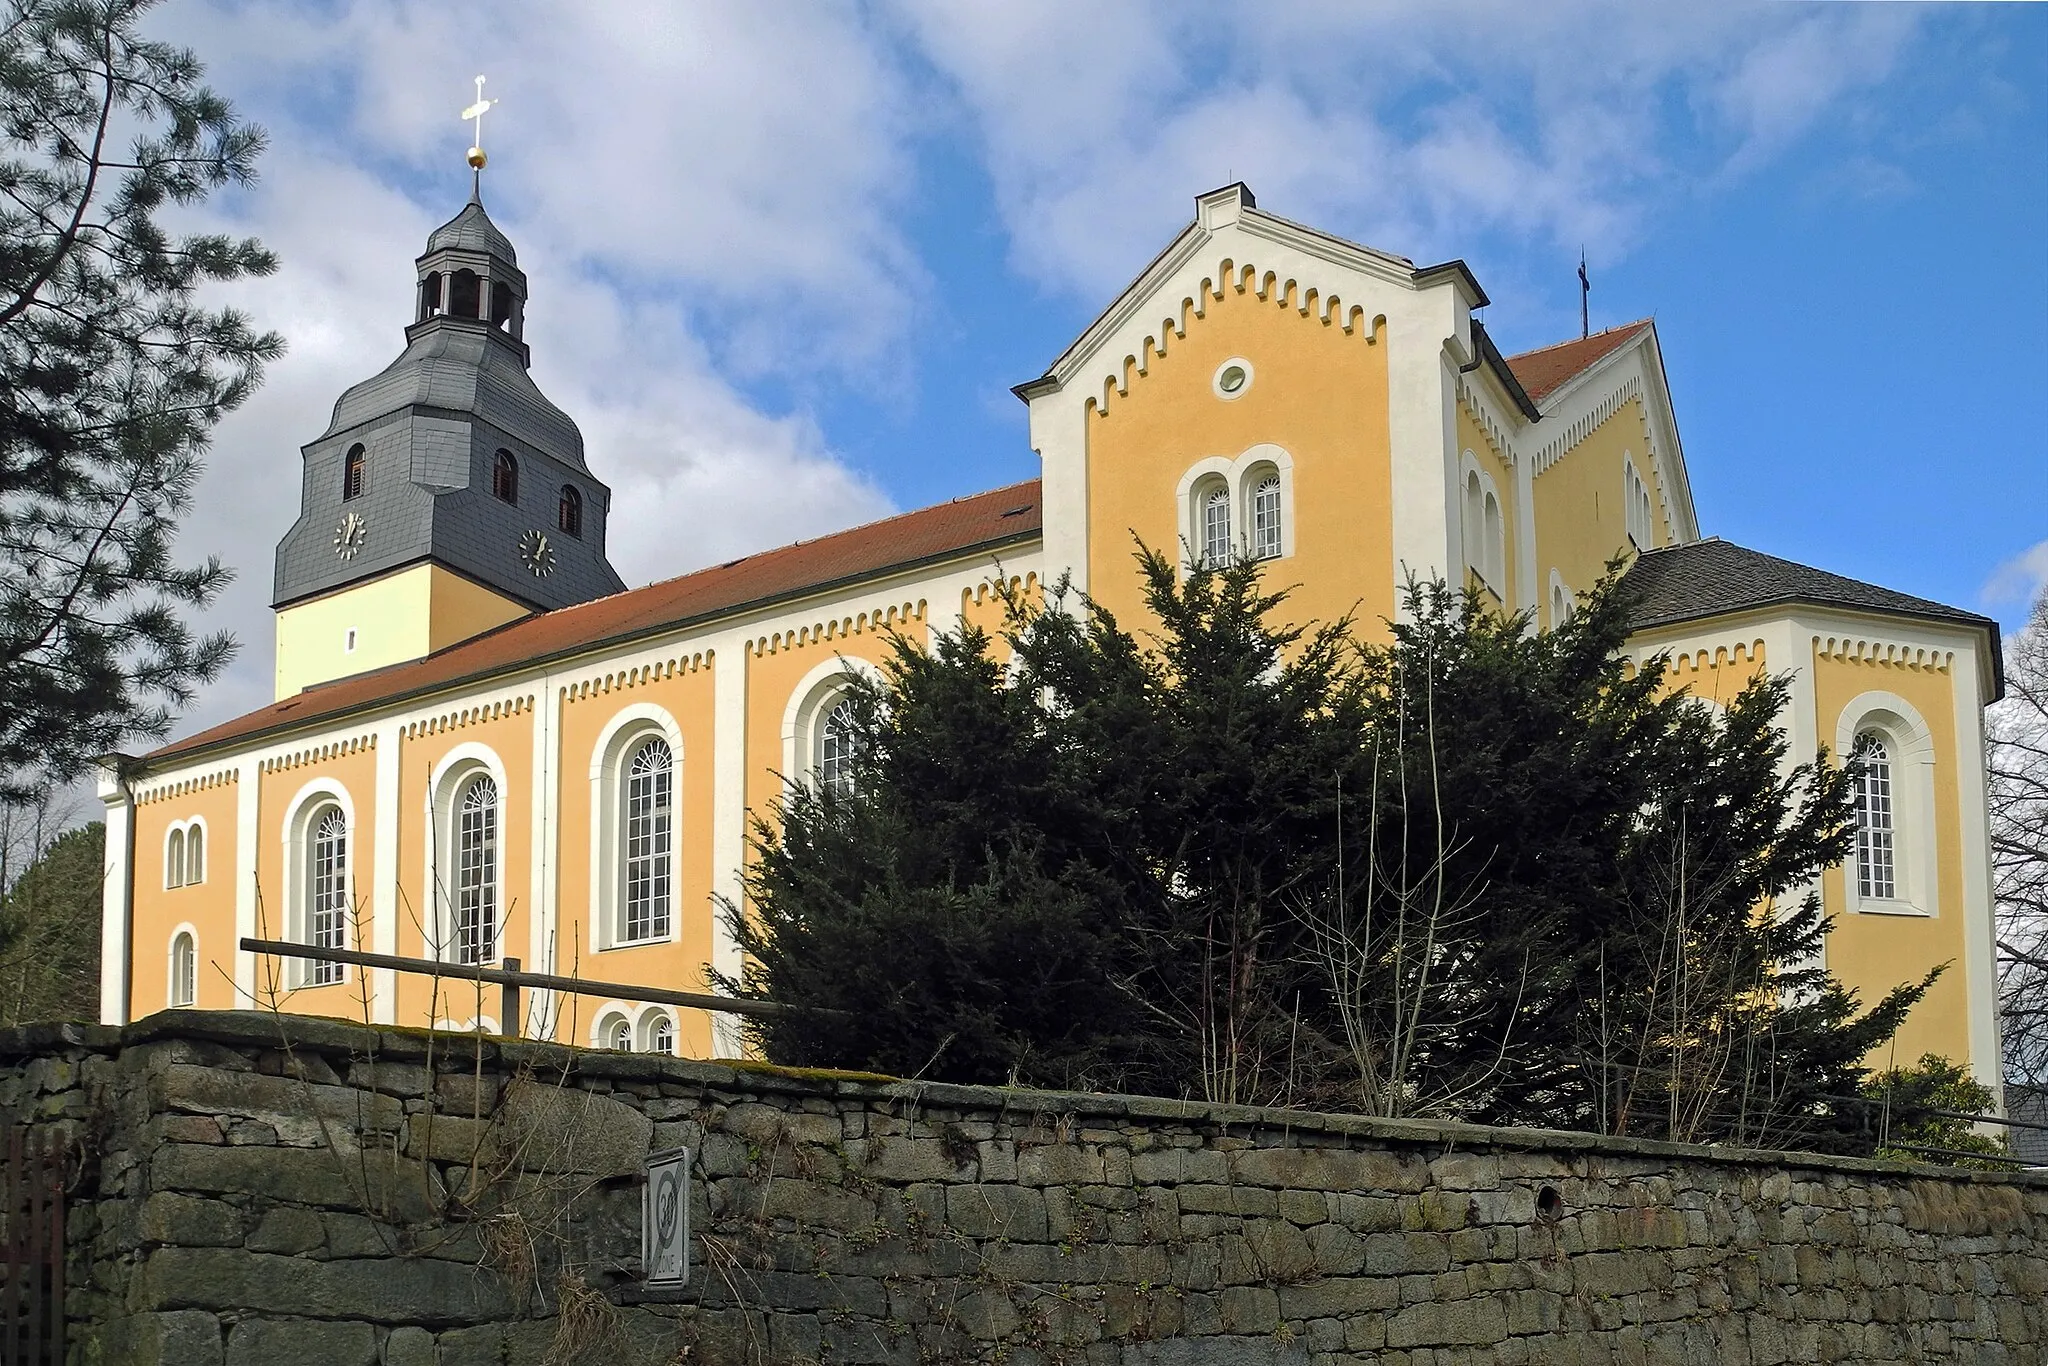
(569, 513)
(184, 969)
(476, 872)
(465, 294)
(505, 478)
(326, 922)
(647, 869)
(430, 295)
(835, 749)
(355, 470)
(1876, 834)
(1216, 526)
(1266, 526)
(501, 303)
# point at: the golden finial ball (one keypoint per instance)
(477, 157)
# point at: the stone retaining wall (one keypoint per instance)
(266, 1192)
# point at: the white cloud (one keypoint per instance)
(2021, 579)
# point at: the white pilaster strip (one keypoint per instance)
(384, 871)
(117, 899)
(728, 812)
(1529, 596)
(546, 840)
(1980, 930)
(249, 860)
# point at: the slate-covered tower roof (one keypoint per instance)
(452, 453)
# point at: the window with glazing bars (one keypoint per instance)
(327, 892)
(835, 750)
(184, 970)
(650, 839)
(476, 872)
(1875, 859)
(1216, 527)
(1266, 518)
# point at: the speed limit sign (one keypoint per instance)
(665, 1219)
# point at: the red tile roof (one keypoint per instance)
(1549, 368)
(983, 521)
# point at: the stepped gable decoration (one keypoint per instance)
(452, 454)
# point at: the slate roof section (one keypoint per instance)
(1715, 577)
(473, 230)
(1549, 368)
(984, 522)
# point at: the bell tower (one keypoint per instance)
(447, 496)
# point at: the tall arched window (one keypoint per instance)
(835, 749)
(1560, 606)
(1494, 545)
(1216, 526)
(1638, 508)
(1876, 854)
(569, 513)
(1266, 540)
(174, 858)
(476, 871)
(326, 890)
(355, 472)
(505, 478)
(1473, 522)
(184, 969)
(465, 294)
(195, 854)
(649, 830)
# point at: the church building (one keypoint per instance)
(483, 746)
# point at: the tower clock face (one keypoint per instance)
(350, 535)
(538, 555)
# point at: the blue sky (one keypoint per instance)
(787, 259)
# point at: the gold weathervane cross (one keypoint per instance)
(476, 114)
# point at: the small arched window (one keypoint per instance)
(355, 471)
(1876, 851)
(1216, 527)
(1636, 493)
(501, 303)
(1560, 606)
(569, 513)
(465, 294)
(326, 890)
(835, 750)
(1473, 522)
(430, 295)
(505, 477)
(1494, 545)
(195, 854)
(174, 857)
(649, 829)
(1266, 538)
(617, 1033)
(184, 969)
(476, 871)
(658, 1033)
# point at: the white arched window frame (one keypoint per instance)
(1258, 500)
(1563, 602)
(613, 1028)
(185, 853)
(1635, 492)
(810, 707)
(181, 987)
(320, 864)
(612, 785)
(465, 865)
(1910, 758)
(656, 1031)
(1482, 523)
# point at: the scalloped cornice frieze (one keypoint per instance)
(319, 753)
(877, 618)
(984, 592)
(457, 718)
(182, 787)
(1698, 659)
(1479, 406)
(1268, 286)
(1596, 417)
(637, 675)
(1876, 651)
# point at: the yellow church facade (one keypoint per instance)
(483, 749)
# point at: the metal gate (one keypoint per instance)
(32, 1181)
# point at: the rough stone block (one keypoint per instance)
(301, 1342)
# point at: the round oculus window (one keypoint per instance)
(1233, 377)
